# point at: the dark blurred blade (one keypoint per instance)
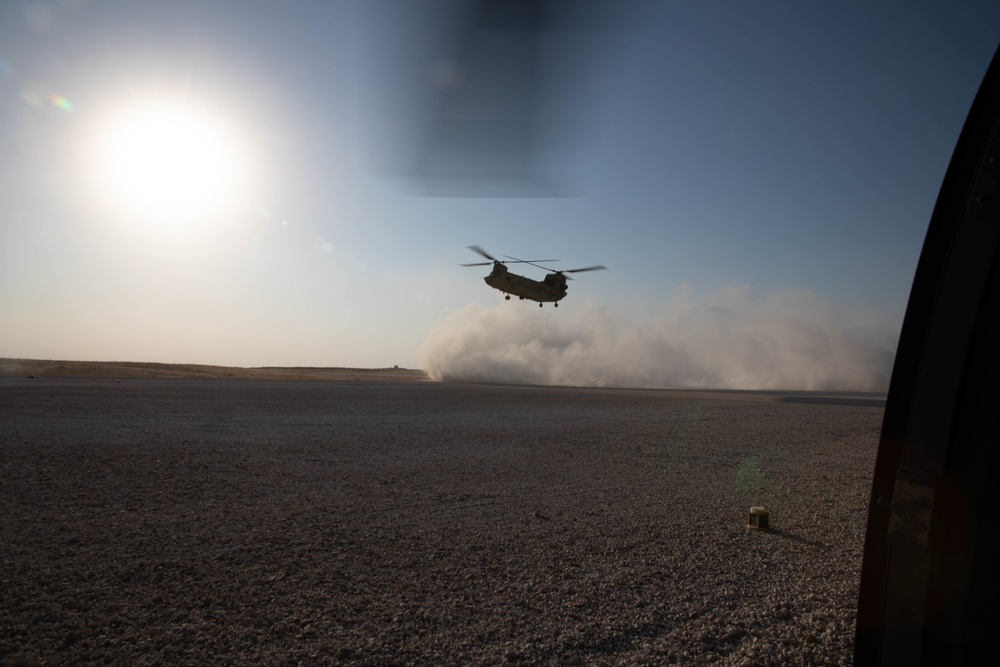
(491, 97)
(529, 261)
(475, 248)
(597, 267)
(477, 264)
(533, 262)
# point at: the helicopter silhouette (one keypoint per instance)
(551, 288)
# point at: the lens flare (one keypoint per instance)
(61, 102)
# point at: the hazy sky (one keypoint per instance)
(754, 159)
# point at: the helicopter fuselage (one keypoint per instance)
(551, 288)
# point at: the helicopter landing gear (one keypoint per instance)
(507, 296)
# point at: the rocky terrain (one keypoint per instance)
(377, 522)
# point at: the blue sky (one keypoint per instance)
(776, 147)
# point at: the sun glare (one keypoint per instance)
(168, 162)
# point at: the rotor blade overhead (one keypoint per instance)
(486, 91)
(477, 264)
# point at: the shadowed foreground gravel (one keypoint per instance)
(233, 522)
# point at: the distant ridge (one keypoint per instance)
(121, 370)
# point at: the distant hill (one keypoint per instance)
(121, 370)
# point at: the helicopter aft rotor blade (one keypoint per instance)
(479, 250)
(534, 262)
(596, 267)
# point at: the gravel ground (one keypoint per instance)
(234, 522)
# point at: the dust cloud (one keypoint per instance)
(729, 339)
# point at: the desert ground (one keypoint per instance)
(381, 520)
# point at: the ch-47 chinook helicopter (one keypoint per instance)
(551, 288)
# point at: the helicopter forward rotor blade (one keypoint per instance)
(515, 260)
(477, 264)
(477, 249)
(529, 261)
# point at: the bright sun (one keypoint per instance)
(169, 162)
